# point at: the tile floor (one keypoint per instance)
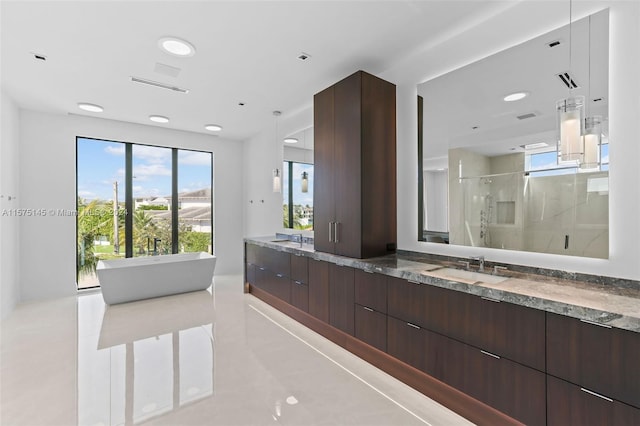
(211, 357)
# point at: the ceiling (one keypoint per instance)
(465, 108)
(246, 52)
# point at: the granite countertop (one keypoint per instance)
(602, 303)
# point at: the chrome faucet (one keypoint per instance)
(300, 237)
(480, 260)
(155, 246)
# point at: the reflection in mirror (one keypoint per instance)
(488, 137)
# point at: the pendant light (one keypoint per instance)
(277, 179)
(592, 127)
(570, 112)
(305, 182)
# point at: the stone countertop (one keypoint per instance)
(603, 303)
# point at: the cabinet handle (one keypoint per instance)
(367, 309)
(330, 233)
(335, 232)
(489, 299)
(413, 282)
(595, 323)
(413, 325)
(596, 394)
(261, 268)
(368, 271)
(279, 275)
(298, 282)
(490, 354)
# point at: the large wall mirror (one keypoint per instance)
(492, 172)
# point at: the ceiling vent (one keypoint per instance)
(158, 84)
(568, 80)
(166, 70)
(526, 116)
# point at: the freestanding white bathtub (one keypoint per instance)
(136, 278)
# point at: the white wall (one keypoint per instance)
(9, 242)
(47, 174)
(504, 26)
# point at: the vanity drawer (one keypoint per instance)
(371, 290)
(597, 357)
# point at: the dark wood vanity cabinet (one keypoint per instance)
(269, 270)
(601, 359)
(300, 282)
(355, 167)
(534, 366)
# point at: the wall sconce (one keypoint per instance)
(305, 182)
(277, 183)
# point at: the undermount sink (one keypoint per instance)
(468, 277)
(281, 240)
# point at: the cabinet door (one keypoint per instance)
(599, 358)
(407, 342)
(341, 298)
(250, 273)
(514, 389)
(299, 268)
(300, 295)
(347, 165)
(406, 300)
(371, 290)
(371, 327)
(323, 171)
(319, 289)
(511, 331)
(568, 404)
(280, 286)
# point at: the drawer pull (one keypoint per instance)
(596, 394)
(413, 325)
(368, 271)
(490, 354)
(413, 282)
(298, 282)
(367, 309)
(595, 323)
(489, 299)
(279, 275)
(261, 268)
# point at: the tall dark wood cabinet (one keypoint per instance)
(355, 167)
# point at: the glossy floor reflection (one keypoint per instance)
(210, 357)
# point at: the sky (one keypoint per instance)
(101, 163)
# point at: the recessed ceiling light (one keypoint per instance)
(158, 119)
(213, 127)
(290, 140)
(511, 97)
(176, 46)
(90, 107)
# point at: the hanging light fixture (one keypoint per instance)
(277, 179)
(592, 141)
(570, 113)
(592, 127)
(305, 182)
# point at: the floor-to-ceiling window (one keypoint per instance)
(140, 200)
